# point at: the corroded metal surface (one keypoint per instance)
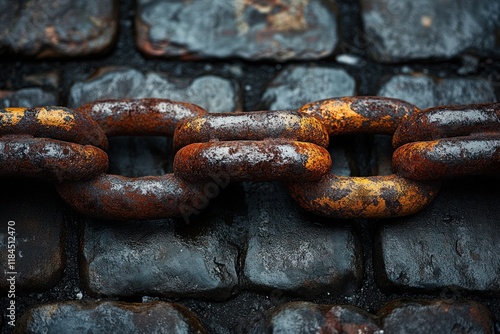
(151, 117)
(364, 197)
(449, 157)
(119, 197)
(360, 114)
(448, 121)
(259, 125)
(52, 122)
(51, 159)
(264, 160)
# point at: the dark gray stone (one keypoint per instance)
(298, 85)
(278, 30)
(58, 28)
(27, 97)
(304, 317)
(294, 252)
(39, 235)
(158, 258)
(110, 317)
(400, 30)
(437, 316)
(425, 92)
(210, 92)
(450, 246)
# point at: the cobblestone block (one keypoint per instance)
(403, 30)
(161, 258)
(36, 211)
(210, 92)
(450, 246)
(298, 85)
(292, 252)
(58, 28)
(437, 316)
(425, 92)
(304, 317)
(27, 97)
(110, 317)
(278, 30)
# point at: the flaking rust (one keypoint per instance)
(121, 198)
(265, 160)
(360, 114)
(52, 122)
(149, 116)
(364, 197)
(448, 121)
(255, 125)
(449, 157)
(50, 159)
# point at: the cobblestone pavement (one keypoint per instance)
(252, 261)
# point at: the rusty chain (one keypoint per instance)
(68, 147)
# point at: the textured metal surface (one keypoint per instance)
(264, 160)
(52, 122)
(448, 121)
(360, 114)
(151, 117)
(364, 197)
(120, 198)
(258, 125)
(50, 159)
(449, 157)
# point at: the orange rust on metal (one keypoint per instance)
(448, 121)
(265, 160)
(150, 117)
(449, 157)
(255, 125)
(364, 197)
(360, 114)
(119, 198)
(52, 122)
(50, 159)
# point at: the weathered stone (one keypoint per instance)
(298, 85)
(295, 252)
(109, 317)
(402, 30)
(161, 258)
(425, 92)
(450, 246)
(279, 30)
(58, 28)
(210, 92)
(438, 316)
(304, 317)
(27, 97)
(39, 228)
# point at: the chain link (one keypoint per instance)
(66, 146)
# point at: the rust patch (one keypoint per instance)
(56, 118)
(266, 160)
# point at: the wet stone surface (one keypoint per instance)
(109, 317)
(278, 30)
(39, 230)
(449, 247)
(305, 317)
(402, 30)
(28, 97)
(161, 258)
(297, 85)
(57, 28)
(296, 253)
(437, 316)
(425, 91)
(213, 93)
